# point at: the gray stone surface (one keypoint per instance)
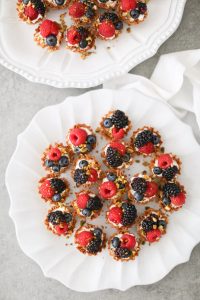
(20, 277)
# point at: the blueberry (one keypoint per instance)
(162, 223)
(111, 176)
(134, 13)
(89, 13)
(51, 40)
(25, 2)
(157, 170)
(67, 217)
(156, 139)
(59, 2)
(124, 205)
(91, 139)
(115, 242)
(63, 161)
(48, 163)
(138, 196)
(77, 150)
(119, 25)
(83, 163)
(89, 147)
(83, 44)
(126, 157)
(56, 197)
(86, 212)
(97, 232)
(121, 185)
(103, 1)
(56, 168)
(107, 123)
(166, 201)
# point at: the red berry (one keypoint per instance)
(82, 200)
(127, 5)
(164, 161)
(147, 149)
(31, 12)
(48, 27)
(117, 134)
(115, 215)
(120, 147)
(93, 175)
(128, 241)
(54, 154)
(178, 200)
(78, 136)
(46, 190)
(61, 229)
(153, 235)
(152, 189)
(73, 36)
(77, 10)
(83, 238)
(108, 189)
(106, 29)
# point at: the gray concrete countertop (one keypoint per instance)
(20, 277)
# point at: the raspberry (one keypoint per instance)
(164, 161)
(82, 200)
(48, 27)
(118, 146)
(93, 175)
(61, 229)
(128, 241)
(128, 5)
(178, 200)
(107, 189)
(77, 10)
(118, 134)
(115, 215)
(106, 29)
(153, 235)
(84, 238)
(46, 190)
(78, 136)
(31, 12)
(147, 149)
(152, 189)
(54, 154)
(73, 36)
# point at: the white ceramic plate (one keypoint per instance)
(63, 68)
(66, 264)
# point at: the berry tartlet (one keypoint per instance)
(87, 205)
(83, 11)
(57, 4)
(90, 239)
(106, 4)
(166, 166)
(142, 189)
(86, 171)
(146, 140)
(81, 139)
(121, 215)
(123, 246)
(172, 196)
(152, 225)
(57, 158)
(79, 39)
(60, 220)
(53, 189)
(132, 11)
(49, 34)
(117, 155)
(115, 125)
(113, 186)
(108, 26)
(31, 11)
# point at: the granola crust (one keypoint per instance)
(23, 17)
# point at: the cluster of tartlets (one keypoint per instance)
(91, 19)
(159, 186)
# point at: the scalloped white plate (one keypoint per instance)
(19, 53)
(27, 210)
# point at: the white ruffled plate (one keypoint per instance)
(66, 264)
(19, 53)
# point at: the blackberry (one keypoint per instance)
(122, 252)
(139, 185)
(171, 189)
(54, 217)
(129, 214)
(80, 176)
(142, 7)
(58, 184)
(170, 172)
(83, 31)
(39, 5)
(113, 157)
(94, 203)
(119, 119)
(110, 16)
(94, 245)
(147, 225)
(143, 138)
